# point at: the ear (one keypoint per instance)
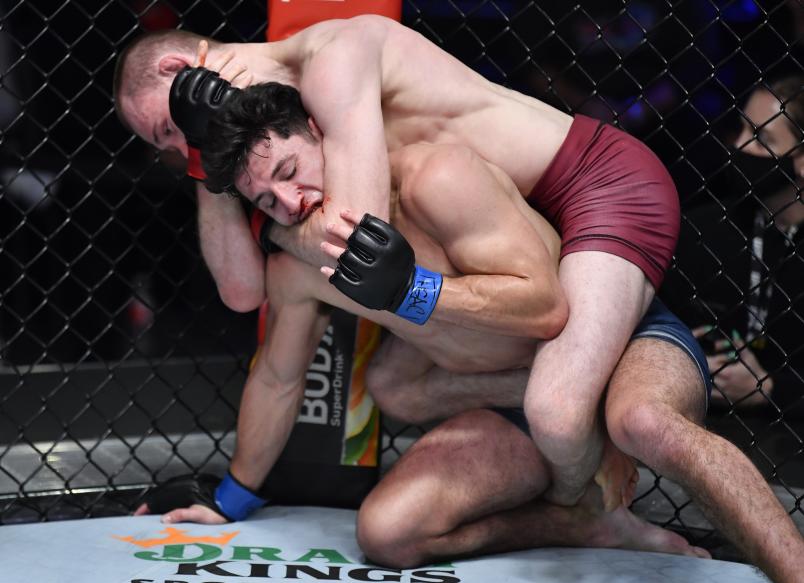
(172, 63)
(317, 134)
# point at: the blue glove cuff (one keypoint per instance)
(235, 500)
(420, 301)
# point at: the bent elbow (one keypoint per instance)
(240, 298)
(552, 321)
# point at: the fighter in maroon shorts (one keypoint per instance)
(363, 83)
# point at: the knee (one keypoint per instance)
(387, 535)
(560, 431)
(241, 297)
(646, 431)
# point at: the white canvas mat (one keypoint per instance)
(302, 544)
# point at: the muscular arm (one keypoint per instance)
(510, 284)
(224, 234)
(341, 89)
(275, 387)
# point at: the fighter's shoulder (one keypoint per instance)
(431, 181)
(425, 167)
(337, 32)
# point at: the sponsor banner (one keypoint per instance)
(300, 544)
(338, 422)
(362, 434)
(332, 455)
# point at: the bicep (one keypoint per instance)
(342, 80)
(502, 244)
(468, 208)
(342, 90)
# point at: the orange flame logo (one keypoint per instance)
(175, 536)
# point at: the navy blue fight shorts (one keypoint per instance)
(661, 324)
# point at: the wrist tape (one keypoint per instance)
(420, 301)
(235, 500)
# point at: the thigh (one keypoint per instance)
(394, 364)
(607, 297)
(658, 374)
(399, 357)
(605, 287)
(472, 465)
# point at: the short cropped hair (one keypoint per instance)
(136, 67)
(242, 123)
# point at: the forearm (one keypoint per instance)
(233, 257)
(378, 271)
(367, 193)
(264, 424)
(370, 193)
(298, 243)
(500, 304)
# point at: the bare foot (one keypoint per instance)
(617, 476)
(622, 529)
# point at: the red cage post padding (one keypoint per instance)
(286, 17)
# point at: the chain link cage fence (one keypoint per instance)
(119, 363)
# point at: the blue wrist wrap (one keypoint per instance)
(235, 500)
(422, 296)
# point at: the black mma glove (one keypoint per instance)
(378, 270)
(195, 95)
(227, 497)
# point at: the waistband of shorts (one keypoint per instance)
(515, 415)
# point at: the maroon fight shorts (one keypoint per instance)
(606, 191)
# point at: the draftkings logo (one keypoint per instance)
(213, 557)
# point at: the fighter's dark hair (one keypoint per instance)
(242, 123)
